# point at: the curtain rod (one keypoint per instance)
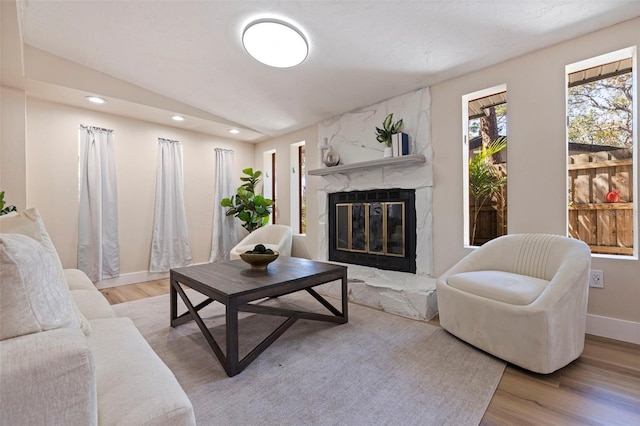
(82, 126)
(168, 140)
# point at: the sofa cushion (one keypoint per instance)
(134, 386)
(33, 298)
(506, 287)
(48, 379)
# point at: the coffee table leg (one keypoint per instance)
(345, 297)
(233, 366)
(173, 302)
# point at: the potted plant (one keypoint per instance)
(384, 134)
(5, 210)
(251, 208)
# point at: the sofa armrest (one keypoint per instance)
(48, 378)
(78, 280)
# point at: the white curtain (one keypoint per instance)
(224, 235)
(170, 244)
(98, 250)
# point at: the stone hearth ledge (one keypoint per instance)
(408, 295)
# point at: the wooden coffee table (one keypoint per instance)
(235, 285)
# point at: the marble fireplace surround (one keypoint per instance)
(352, 135)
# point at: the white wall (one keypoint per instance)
(537, 157)
(303, 245)
(52, 178)
(12, 150)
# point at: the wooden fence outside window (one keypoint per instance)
(607, 227)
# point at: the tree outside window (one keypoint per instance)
(487, 168)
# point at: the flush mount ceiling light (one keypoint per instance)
(177, 118)
(96, 99)
(275, 43)
(234, 131)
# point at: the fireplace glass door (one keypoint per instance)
(375, 228)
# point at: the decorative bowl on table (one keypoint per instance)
(259, 259)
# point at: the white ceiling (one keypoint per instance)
(188, 54)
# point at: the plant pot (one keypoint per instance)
(388, 152)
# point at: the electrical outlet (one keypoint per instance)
(596, 278)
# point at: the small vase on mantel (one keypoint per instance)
(331, 157)
(388, 152)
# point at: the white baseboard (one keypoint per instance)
(613, 328)
(132, 278)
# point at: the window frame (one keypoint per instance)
(296, 184)
(269, 183)
(466, 234)
(629, 52)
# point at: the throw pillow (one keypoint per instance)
(32, 296)
(30, 223)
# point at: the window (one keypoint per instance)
(298, 188)
(302, 193)
(601, 143)
(269, 180)
(485, 157)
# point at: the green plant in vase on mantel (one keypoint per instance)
(385, 134)
(251, 208)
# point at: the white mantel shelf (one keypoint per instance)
(405, 160)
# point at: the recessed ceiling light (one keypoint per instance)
(234, 131)
(275, 43)
(177, 118)
(95, 99)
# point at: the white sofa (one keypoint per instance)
(66, 358)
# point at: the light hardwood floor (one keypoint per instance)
(602, 387)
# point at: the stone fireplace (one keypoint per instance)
(406, 291)
(374, 228)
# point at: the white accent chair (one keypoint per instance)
(275, 237)
(522, 298)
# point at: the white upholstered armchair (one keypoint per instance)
(275, 237)
(522, 298)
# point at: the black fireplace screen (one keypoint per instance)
(373, 228)
(376, 228)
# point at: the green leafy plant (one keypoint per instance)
(389, 128)
(484, 180)
(5, 210)
(251, 208)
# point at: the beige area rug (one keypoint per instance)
(379, 369)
